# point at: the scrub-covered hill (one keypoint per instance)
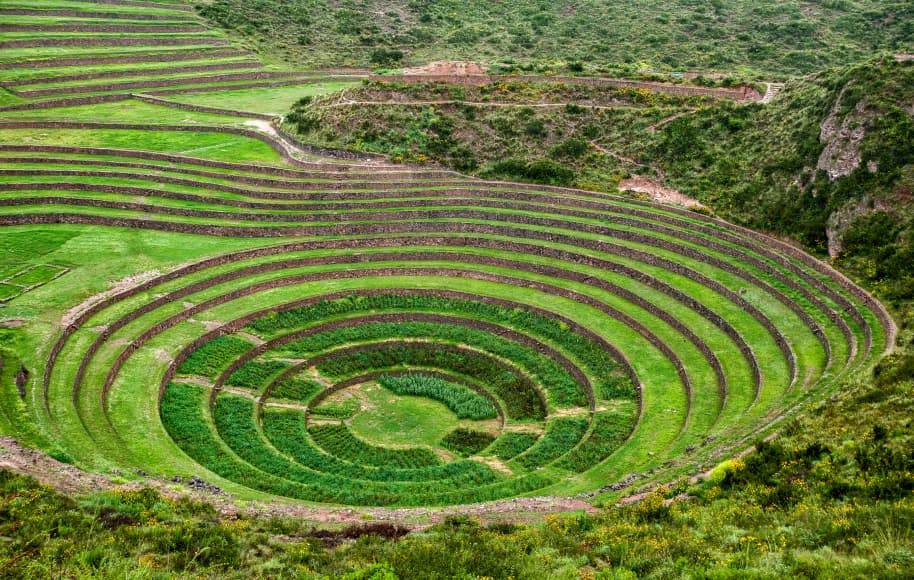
(768, 36)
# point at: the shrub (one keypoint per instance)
(385, 57)
(466, 442)
(511, 444)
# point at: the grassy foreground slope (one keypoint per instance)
(769, 36)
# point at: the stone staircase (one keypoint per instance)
(772, 91)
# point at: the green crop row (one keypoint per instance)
(214, 357)
(520, 398)
(255, 374)
(466, 442)
(558, 382)
(610, 430)
(286, 431)
(296, 389)
(464, 401)
(337, 440)
(562, 434)
(512, 444)
(336, 410)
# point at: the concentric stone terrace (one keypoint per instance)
(418, 337)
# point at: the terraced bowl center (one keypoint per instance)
(397, 421)
(394, 336)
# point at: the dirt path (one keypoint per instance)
(664, 121)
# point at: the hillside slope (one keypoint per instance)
(793, 37)
(830, 163)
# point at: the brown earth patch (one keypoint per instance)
(448, 67)
(657, 192)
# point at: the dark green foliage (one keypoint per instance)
(340, 442)
(462, 400)
(538, 171)
(385, 57)
(466, 442)
(214, 357)
(341, 410)
(255, 374)
(296, 389)
(562, 434)
(880, 245)
(511, 444)
(573, 148)
(609, 431)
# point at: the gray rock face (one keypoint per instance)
(842, 138)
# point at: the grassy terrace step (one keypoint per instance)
(49, 70)
(715, 326)
(252, 217)
(53, 28)
(153, 57)
(93, 41)
(318, 218)
(51, 79)
(50, 12)
(290, 218)
(190, 81)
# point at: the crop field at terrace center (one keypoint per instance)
(365, 333)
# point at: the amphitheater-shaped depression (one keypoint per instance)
(408, 337)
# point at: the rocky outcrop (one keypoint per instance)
(840, 220)
(842, 138)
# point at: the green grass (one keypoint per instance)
(27, 73)
(199, 144)
(8, 99)
(398, 420)
(36, 275)
(272, 100)
(130, 111)
(7, 291)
